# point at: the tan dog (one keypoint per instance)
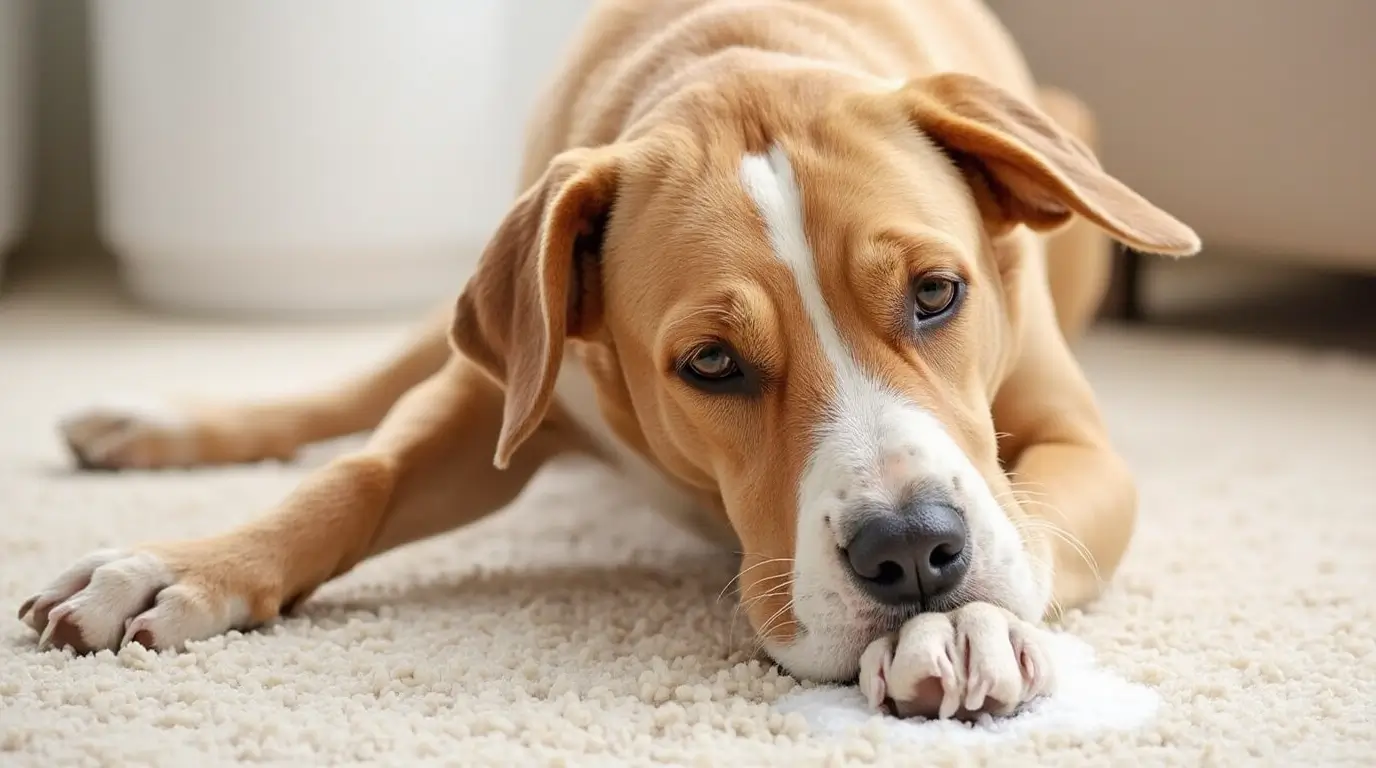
(786, 263)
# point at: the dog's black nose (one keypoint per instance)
(916, 555)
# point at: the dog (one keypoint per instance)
(811, 273)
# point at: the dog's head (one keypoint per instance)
(796, 298)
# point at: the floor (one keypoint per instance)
(576, 627)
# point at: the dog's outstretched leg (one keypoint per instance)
(428, 468)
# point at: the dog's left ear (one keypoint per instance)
(1027, 169)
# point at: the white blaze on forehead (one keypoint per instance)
(864, 427)
(859, 403)
(770, 182)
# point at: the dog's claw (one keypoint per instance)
(61, 633)
(136, 631)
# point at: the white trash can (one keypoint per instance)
(16, 120)
(260, 158)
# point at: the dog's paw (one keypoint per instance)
(132, 434)
(114, 597)
(977, 660)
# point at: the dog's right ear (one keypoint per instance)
(536, 285)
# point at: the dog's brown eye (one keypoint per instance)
(716, 369)
(713, 363)
(934, 296)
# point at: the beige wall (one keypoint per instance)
(1252, 119)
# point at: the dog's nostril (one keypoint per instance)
(889, 573)
(944, 555)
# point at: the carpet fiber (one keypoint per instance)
(579, 628)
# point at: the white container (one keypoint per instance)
(263, 158)
(16, 120)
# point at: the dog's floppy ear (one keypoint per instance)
(1027, 169)
(536, 285)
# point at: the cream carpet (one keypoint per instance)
(578, 629)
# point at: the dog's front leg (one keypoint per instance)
(427, 469)
(1076, 493)
(1084, 502)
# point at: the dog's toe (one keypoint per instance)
(974, 661)
(112, 598)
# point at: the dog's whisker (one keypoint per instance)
(786, 606)
(748, 601)
(769, 625)
(751, 568)
(1051, 529)
(774, 628)
(779, 589)
(1022, 484)
(1018, 493)
(1046, 507)
(744, 606)
(775, 577)
(1047, 562)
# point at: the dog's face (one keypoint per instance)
(802, 308)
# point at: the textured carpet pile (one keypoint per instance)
(577, 628)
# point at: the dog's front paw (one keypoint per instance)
(976, 660)
(113, 597)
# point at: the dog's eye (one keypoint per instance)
(934, 296)
(713, 363)
(716, 369)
